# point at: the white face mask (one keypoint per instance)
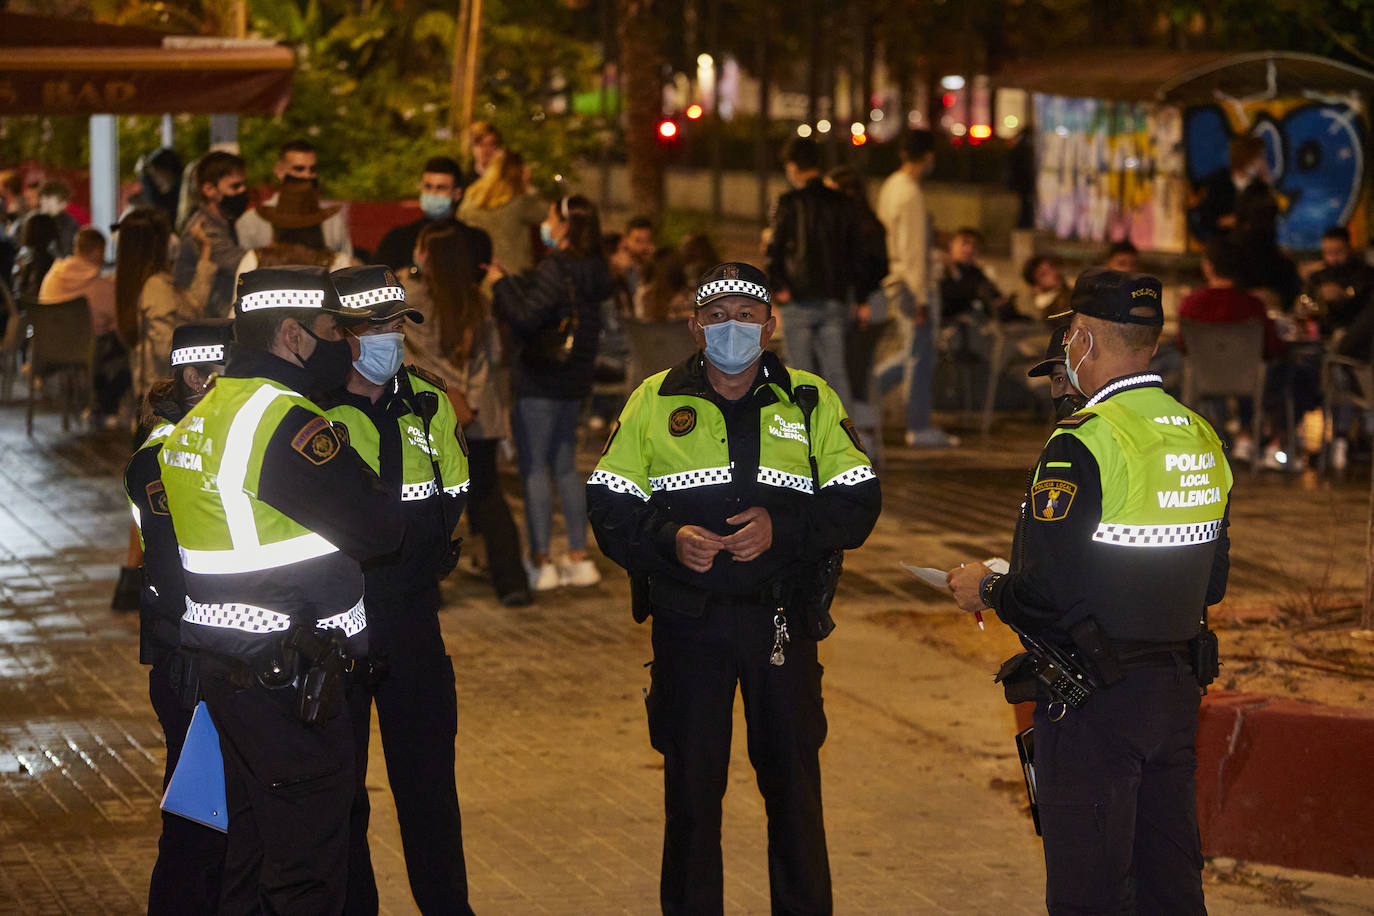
(380, 356)
(732, 346)
(1073, 368)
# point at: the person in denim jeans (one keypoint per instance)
(815, 266)
(570, 283)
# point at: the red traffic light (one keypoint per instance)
(694, 111)
(667, 129)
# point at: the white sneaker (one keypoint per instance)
(579, 574)
(543, 579)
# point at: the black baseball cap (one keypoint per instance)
(1054, 353)
(286, 288)
(1118, 296)
(200, 342)
(372, 292)
(733, 278)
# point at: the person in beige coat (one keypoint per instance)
(148, 305)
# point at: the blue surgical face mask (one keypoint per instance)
(1071, 367)
(436, 206)
(546, 235)
(732, 346)
(380, 356)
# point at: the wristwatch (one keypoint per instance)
(985, 588)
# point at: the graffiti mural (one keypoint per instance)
(1110, 171)
(1314, 150)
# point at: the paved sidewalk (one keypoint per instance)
(561, 791)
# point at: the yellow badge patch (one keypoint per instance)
(317, 441)
(848, 426)
(157, 498)
(615, 428)
(682, 421)
(1051, 499)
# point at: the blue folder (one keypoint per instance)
(196, 789)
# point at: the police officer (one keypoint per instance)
(1066, 400)
(403, 425)
(273, 515)
(1124, 546)
(725, 481)
(190, 857)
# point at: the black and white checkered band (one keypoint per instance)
(282, 299)
(743, 287)
(252, 619)
(373, 297)
(189, 356)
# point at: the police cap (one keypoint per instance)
(372, 292)
(733, 278)
(1118, 296)
(286, 288)
(1054, 353)
(200, 342)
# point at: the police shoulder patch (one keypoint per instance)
(615, 428)
(1074, 421)
(157, 498)
(848, 426)
(1051, 499)
(682, 421)
(341, 430)
(317, 441)
(428, 376)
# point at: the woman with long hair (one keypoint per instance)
(148, 306)
(458, 341)
(554, 312)
(502, 203)
(38, 240)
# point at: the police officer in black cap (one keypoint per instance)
(1124, 547)
(727, 482)
(1066, 400)
(190, 858)
(273, 515)
(402, 423)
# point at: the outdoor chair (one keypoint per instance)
(1345, 382)
(654, 346)
(1007, 337)
(61, 348)
(865, 405)
(11, 343)
(1226, 360)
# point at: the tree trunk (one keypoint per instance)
(641, 60)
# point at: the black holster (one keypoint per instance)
(1205, 654)
(814, 592)
(183, 672)
(320, 689)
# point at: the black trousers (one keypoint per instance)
(490, 517)
(289, 787)
(417, 713)
(1118, 806)
(697, 663)
(190, 856)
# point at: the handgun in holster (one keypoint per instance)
(314, 661)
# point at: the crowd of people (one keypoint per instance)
(315, 382)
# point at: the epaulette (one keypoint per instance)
(1075, 421)
(428, 376)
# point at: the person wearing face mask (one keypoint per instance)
(726, 480)
(441, 188)
(544, 307)
(297, 165)
(1066, 400)
(190, 859)
(274, 515)
(223, 198)
(402, 424)
(1122, 548)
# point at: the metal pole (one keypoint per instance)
(104, 172)
(455, 81)
(470, 76)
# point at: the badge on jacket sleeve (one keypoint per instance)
(341, 431)
(317, 441)
(682, 421)
(848, 426)
(157, 498)
(1051, 499)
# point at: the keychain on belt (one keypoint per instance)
(780, 638)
